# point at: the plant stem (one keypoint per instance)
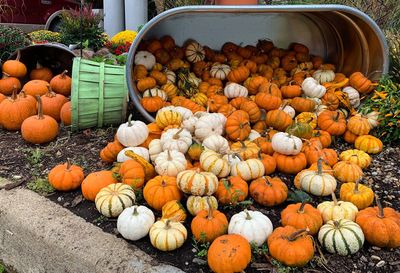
(296, 234)
(303, 204)
(380, 208)
(40, 107)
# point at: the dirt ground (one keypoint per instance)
(28, 166)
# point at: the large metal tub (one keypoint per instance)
(342, 35)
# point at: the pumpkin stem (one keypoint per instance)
(68, 169)
(64, 73)
(334, 199)
(319, 166)
(356, 187)
(38, 65)
(167, 225)
(266, 178)
(292, 237)
(248, 216)
(169, 155)
(18, 55)
(336, 224)
(210, 209)
(40, 107)
(303, 204)
(14, 93)
(50, 93)
(130, 120)
(176, 135)
(380, 207)
(135, 212)
(5, 75)
(163, 183)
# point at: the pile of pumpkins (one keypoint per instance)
(36, 107)
(226, 124)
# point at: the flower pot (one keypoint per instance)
(236, 2)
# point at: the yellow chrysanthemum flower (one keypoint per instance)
(124, 36)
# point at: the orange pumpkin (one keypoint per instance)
(291, 246)
(94, 182)
(61, 84)
(323, 136)
(15, 68)
(264, 142)
(66, 113)
(139, 72)
(330, 100)
(358, 125)
(368, 144)
(52, 104)
(381, 226)
(302, 215)
(109, 153)
(146, 83)
(8, 84)
(160, 190)
(160, 77)
(226, 109)
(216, 101)
(290, 164)
(361, 83)
(268, 191)
(66, 177)
(14, 110)
(231, 190)
(346, 171)
(253, 83)
(152, 103)
(333, 122)
(349, 137)
(302, 104)
(271, 89)
(229, 253)
(36, 88)
(41, 73)
(252, 109)
(291, 90)
(40, 128)
(239, 74)
(278, 120)
(238, 125)
(208, 225)
(268, 162)
(245, 149)
(132, 173)
(268, 102)
(236, 102)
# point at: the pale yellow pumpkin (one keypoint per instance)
(359, 157)
(167, 235)
(215, 163)
(336, 210)
(197, 183)
(195, 204)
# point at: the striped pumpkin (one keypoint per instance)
(195, 204)
(114, 198)
(249, 169)
(197, 183)
(343, 237)
(215, 163)
(359, 157)
(335, 210)
(165, 118)
(173, 210)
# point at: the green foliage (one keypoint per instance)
(11, 39)
(259, 251)
(112, 59)
(386, 101)
(41, 36)
(2, 268)
(281, 268)
(91, 31)
(41, 186)
(393, 38)
(100, 219)
(243, 204)
(201, 248)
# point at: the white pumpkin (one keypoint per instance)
(170, 163)
(143, 152)
(221, 118)
(167, 235)
(323, 76)
(114, 198)
(253, 135)
(312, 88)
(208, 125)
(320, 108)
(186, 113)
(252, 225)
(135, 222)
(286, 144)
(288, 110)
(195, 204)
(220, 71)
(176, 139)
(354, 96)
(197, 183)
(373, 118)
(216, 143)
(343, 237)
(155, 92)
(155, 148)
(190, 124)
(132, 133)
(171, 76)
(215, 163)
(145, 58)
(317, 182)
(249, 169)
(336, 210)
(234, 90)
(194, 52)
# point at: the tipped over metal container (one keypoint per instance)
(342, 35)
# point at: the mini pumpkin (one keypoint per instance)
(290, 164)
(346, 171)
(66, 177)
(268, 191)
(208, 225)
(195, 204)
(231, 190)
(173, 210)
(360, 195)
(160, 190)
(114, 198)
(94, 182)
(132, 133)
(197, 183)
(238, 125)
(215, 163)
(167, 235)
(302, 216)
(41, 73)
(134, 222)
(333, 122)
(358, 125)
(368, 144)
(359, 157)
(337, 210)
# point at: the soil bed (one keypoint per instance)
(23, 162)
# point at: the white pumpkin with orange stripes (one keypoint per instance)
(247, 169)
(113, 199)
(197, 183)
(215, 163)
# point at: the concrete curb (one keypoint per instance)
(39, 236)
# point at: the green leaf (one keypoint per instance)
(298, 196)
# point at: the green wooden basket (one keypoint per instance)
(99, 95)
